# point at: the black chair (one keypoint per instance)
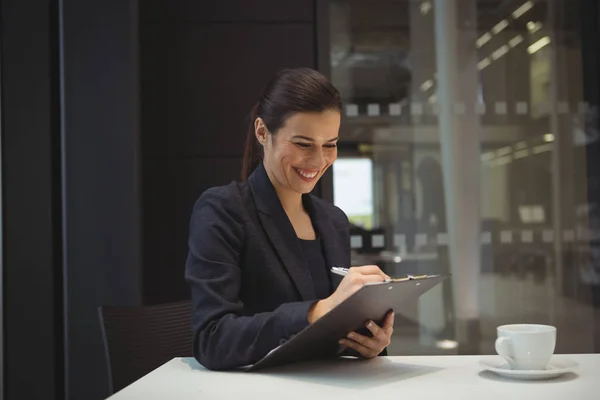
(139, 339)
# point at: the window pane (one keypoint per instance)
(353, 190)
(464, 149)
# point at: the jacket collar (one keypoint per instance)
(282, 235)
(265, 197)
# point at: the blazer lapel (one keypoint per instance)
(280, 231)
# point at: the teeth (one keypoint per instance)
(304, 174)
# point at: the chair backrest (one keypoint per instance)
(139, 339)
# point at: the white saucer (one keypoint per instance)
(556, 367)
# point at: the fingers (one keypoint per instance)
(355, 282)
(370, 347)
(369, 279)
(366, 269)
(375, 330)
(382, 336)
(361, 349)
(369, 270)
(389, 321)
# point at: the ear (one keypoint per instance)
(260, 130)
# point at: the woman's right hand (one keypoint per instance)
(356, 279)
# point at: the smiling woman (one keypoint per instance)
(301, 103)
(301, 151)
(260, 250)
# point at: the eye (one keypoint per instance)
(303, 145)
(331, 146)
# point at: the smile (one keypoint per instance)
(307, 175)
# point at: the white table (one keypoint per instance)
(421, 377)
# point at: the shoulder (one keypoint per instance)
(332, 211)
(217, 225)
(221, 195)
(220, 203)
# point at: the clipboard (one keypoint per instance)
(371, 302)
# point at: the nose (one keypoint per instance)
(318, 159)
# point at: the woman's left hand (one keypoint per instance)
(370, 347)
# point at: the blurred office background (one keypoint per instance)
(469, 145)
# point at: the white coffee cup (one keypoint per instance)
(526, 346)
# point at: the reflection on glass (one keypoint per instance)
(473, 163)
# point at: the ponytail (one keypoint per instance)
(252, 149)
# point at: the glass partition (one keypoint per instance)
(463, 151)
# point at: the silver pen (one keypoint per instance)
(341, 271)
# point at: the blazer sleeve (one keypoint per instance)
(224, 338)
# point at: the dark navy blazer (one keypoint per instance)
(250, 287)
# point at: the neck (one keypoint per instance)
(290, 200)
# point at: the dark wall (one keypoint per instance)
(113, 124)
(589, 28)
(101, 178)
(31, 262)
(202, 66)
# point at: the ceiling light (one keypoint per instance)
(504, 151)
(519, 154)
(538, 45)
(542, 148)
(500, 52)
(548, 137)
(488, 156)
(515, 41)
(483, 63)
(522, 10)
(425, 7)
(426, 85)
(483, 39)
(533, 27)
(500, 26)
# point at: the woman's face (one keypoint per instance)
(301, 151)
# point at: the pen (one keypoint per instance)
(341, 271)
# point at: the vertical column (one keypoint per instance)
(459, 135)
(426, 162)
(561, 141)
(31, 287)
(422, 54)
(422, 89)
(101, 179)
(341, 46)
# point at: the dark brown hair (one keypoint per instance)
(289, 92)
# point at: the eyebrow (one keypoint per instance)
(311, 140)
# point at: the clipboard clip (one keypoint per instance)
(410, 278)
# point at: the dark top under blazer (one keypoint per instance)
(250, 287)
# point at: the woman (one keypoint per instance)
(260, 250)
